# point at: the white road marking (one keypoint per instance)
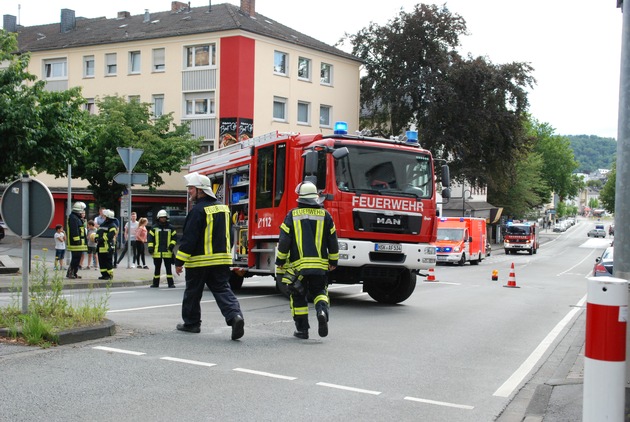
(514, 381)
(170, 305)
(126, 352)
(264, 374)
(192, 362)
(440, 403)
(569, 269)
(342, 387)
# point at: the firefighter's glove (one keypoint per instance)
(171, 247)
(293, 282)
(151, 251)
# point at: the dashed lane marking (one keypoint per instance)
(343, 387)
(265, 374)
(123, 351)
(191, 362)
(440, 403)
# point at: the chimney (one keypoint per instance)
(68, 21)
(9, 23)
(178, 6)
(147, 16)
(249, 7)
(123, 15)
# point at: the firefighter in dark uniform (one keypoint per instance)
(105, 238)
(204, 251)
(77, 242)
(161, 242)
(307, 250)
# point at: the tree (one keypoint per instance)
(607, 194)
(130, 124)
(40, 130)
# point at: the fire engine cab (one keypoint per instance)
(520, 237)
(380, 192)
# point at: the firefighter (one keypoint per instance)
(77, 242)
(161, 242)
(105, 238)
(205, 252)
(307, 250)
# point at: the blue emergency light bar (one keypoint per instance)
(341, 128)
(412, 136)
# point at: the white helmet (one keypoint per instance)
(200, 181)
(162, 213)
(108, 214)
(307, 193)
(78, 206)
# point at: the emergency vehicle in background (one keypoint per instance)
(521, 236)
(461, 240)
(380, 192)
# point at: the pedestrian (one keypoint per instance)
(100, 218)
(129, 236)
(141, 239)
(105, 238)
(92, 253)
(60, 246)
(307, 250)
(205, 252)
(161, 242)
(76, 239)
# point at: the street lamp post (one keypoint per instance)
(464, 199)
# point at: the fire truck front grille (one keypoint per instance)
(384, 223)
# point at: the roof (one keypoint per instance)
(189, 21)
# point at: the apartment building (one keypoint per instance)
(227, 70)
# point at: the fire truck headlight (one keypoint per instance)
(429, 250)
(527, 242)
(506, 241)
(456, 249)
(343, 246)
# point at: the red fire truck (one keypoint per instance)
(461, 239)
(381, 194)
(520, 236)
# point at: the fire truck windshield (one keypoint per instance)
(518, 230)
(450, 234)
(385, 171)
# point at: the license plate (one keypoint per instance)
(388, 247)
(441, 258)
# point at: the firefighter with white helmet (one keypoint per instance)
(105, 243)
(205, 252)
(307, 250)
(161, 241)
(77, 242)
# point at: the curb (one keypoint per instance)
(106, 328)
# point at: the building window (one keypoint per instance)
(280, 66)
(158, 105)
(89, 106)
(280, 109)
(55, 69)
(304, 69)
(326, 74)
(133, 98)
(110, 64)
(304, 113)
(324, 115)
(88, 66)
(199, 104)
(134, 62)
(201, 55)
(159, 60)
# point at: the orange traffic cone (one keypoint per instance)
(495, 275)
(512, 279)
(431, 276)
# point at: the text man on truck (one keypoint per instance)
(461, 239)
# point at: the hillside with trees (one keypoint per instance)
(592, 152)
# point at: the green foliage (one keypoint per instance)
(593, 203)
(593, 152)
(607, 194)
(130, 124)
(561, 209)
(40, 130)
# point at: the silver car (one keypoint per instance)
(604, 264)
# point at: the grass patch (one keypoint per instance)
(49, 312)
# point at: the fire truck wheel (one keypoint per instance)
(463, 260)
(394, 291)
(236, 281)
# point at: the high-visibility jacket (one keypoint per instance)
(206, 238)
(106, 237)
(161, 240)
(75, 229)
(308, 239)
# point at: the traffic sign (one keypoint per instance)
(130, 156)
(40, 207)
(132, 178)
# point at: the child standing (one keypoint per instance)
(91, 244)
(60, 246)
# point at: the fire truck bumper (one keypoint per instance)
(417, 256)
(449, 257)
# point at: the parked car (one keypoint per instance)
(604, 263)
(597, 233)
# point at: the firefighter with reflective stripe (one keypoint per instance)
(105, 238)
(205, 252)
(161, 242)
(77, 242)
(307, 250)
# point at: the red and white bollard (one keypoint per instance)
(605, 354)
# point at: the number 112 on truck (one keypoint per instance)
(381, 193)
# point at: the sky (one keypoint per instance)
(574, 46)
